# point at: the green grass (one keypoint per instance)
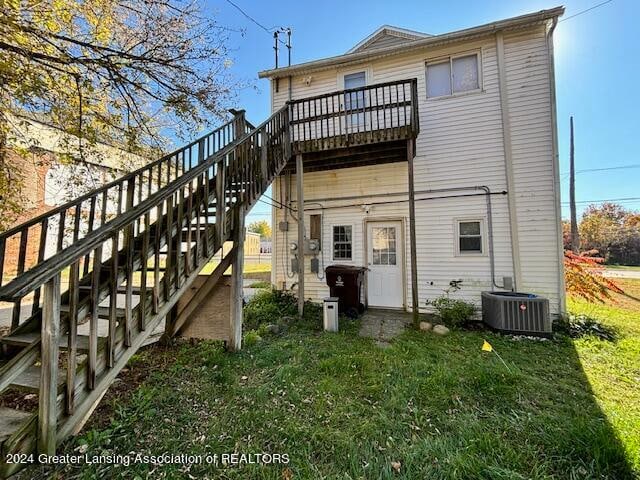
(248, 268)
(633, 268)
(343, 408)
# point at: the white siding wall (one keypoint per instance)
(367, 182)
(527, 71)
(460, 145)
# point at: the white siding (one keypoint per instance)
(460, 145)
(527, 71)
(367, 182)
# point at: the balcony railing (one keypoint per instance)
(377, 113)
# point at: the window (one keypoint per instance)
(384, 245)
(469, 236)
(355, 80)
(342, 242)
(453, 75)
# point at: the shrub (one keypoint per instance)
(453, 312)
(251, 338)
(584, 277)
(581, 325)
(260, 284)
(269, 306)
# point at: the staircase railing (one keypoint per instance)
(28, 245)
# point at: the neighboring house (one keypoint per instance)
(251, 243)
(35, 152)
(265, 246)
(485, 167)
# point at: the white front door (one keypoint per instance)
(384, 259)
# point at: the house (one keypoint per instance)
(482, 178)
(46, 164)
(429, 159)
(251, 243)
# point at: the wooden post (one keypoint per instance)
(412, 235)
(221, 201)
(47, 408)
(300, 201)
(235, 343)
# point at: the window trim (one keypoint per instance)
(483, 237)
(333, 243)
(450, 58)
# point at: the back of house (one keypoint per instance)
(485, 171)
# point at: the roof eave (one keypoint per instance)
(326, 63)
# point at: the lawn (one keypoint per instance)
(426, 407)
(631, 268)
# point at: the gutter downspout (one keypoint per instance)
(556, 166)
(508, 162)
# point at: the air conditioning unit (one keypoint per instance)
(513, 312)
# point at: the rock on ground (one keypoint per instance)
(426, 326)
(440, 330)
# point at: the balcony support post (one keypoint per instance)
(412, 235)
(300, 203)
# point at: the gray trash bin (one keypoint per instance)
(330, 314)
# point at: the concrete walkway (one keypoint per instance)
(384, 325)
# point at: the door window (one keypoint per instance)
(384, 245)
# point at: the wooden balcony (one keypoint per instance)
(355, 127)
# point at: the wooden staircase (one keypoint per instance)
(93, 278)
(125, 253)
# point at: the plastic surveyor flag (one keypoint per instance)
(486, 347)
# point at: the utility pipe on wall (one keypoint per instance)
(487, 193)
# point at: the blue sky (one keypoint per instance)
(597, 68)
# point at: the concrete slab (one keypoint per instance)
(384, 325)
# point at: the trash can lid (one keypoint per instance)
(331, 299)
(344, 268)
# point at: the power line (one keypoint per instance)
(624, 199)
(249, 17)
(583, 11)
(621, 167)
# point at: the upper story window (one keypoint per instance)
(355, 80)
(452, 75)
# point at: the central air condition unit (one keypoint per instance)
(513, 312)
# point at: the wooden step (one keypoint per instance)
(29, 379)
(25, 339)
(103, 312)
(10, 421)
(135, 289)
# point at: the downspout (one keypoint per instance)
(556, 165)
(508, 162)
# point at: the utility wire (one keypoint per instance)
(625, 199)
(249, 17)
(621, 167)
(583, 11)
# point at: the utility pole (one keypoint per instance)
(575, 235)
